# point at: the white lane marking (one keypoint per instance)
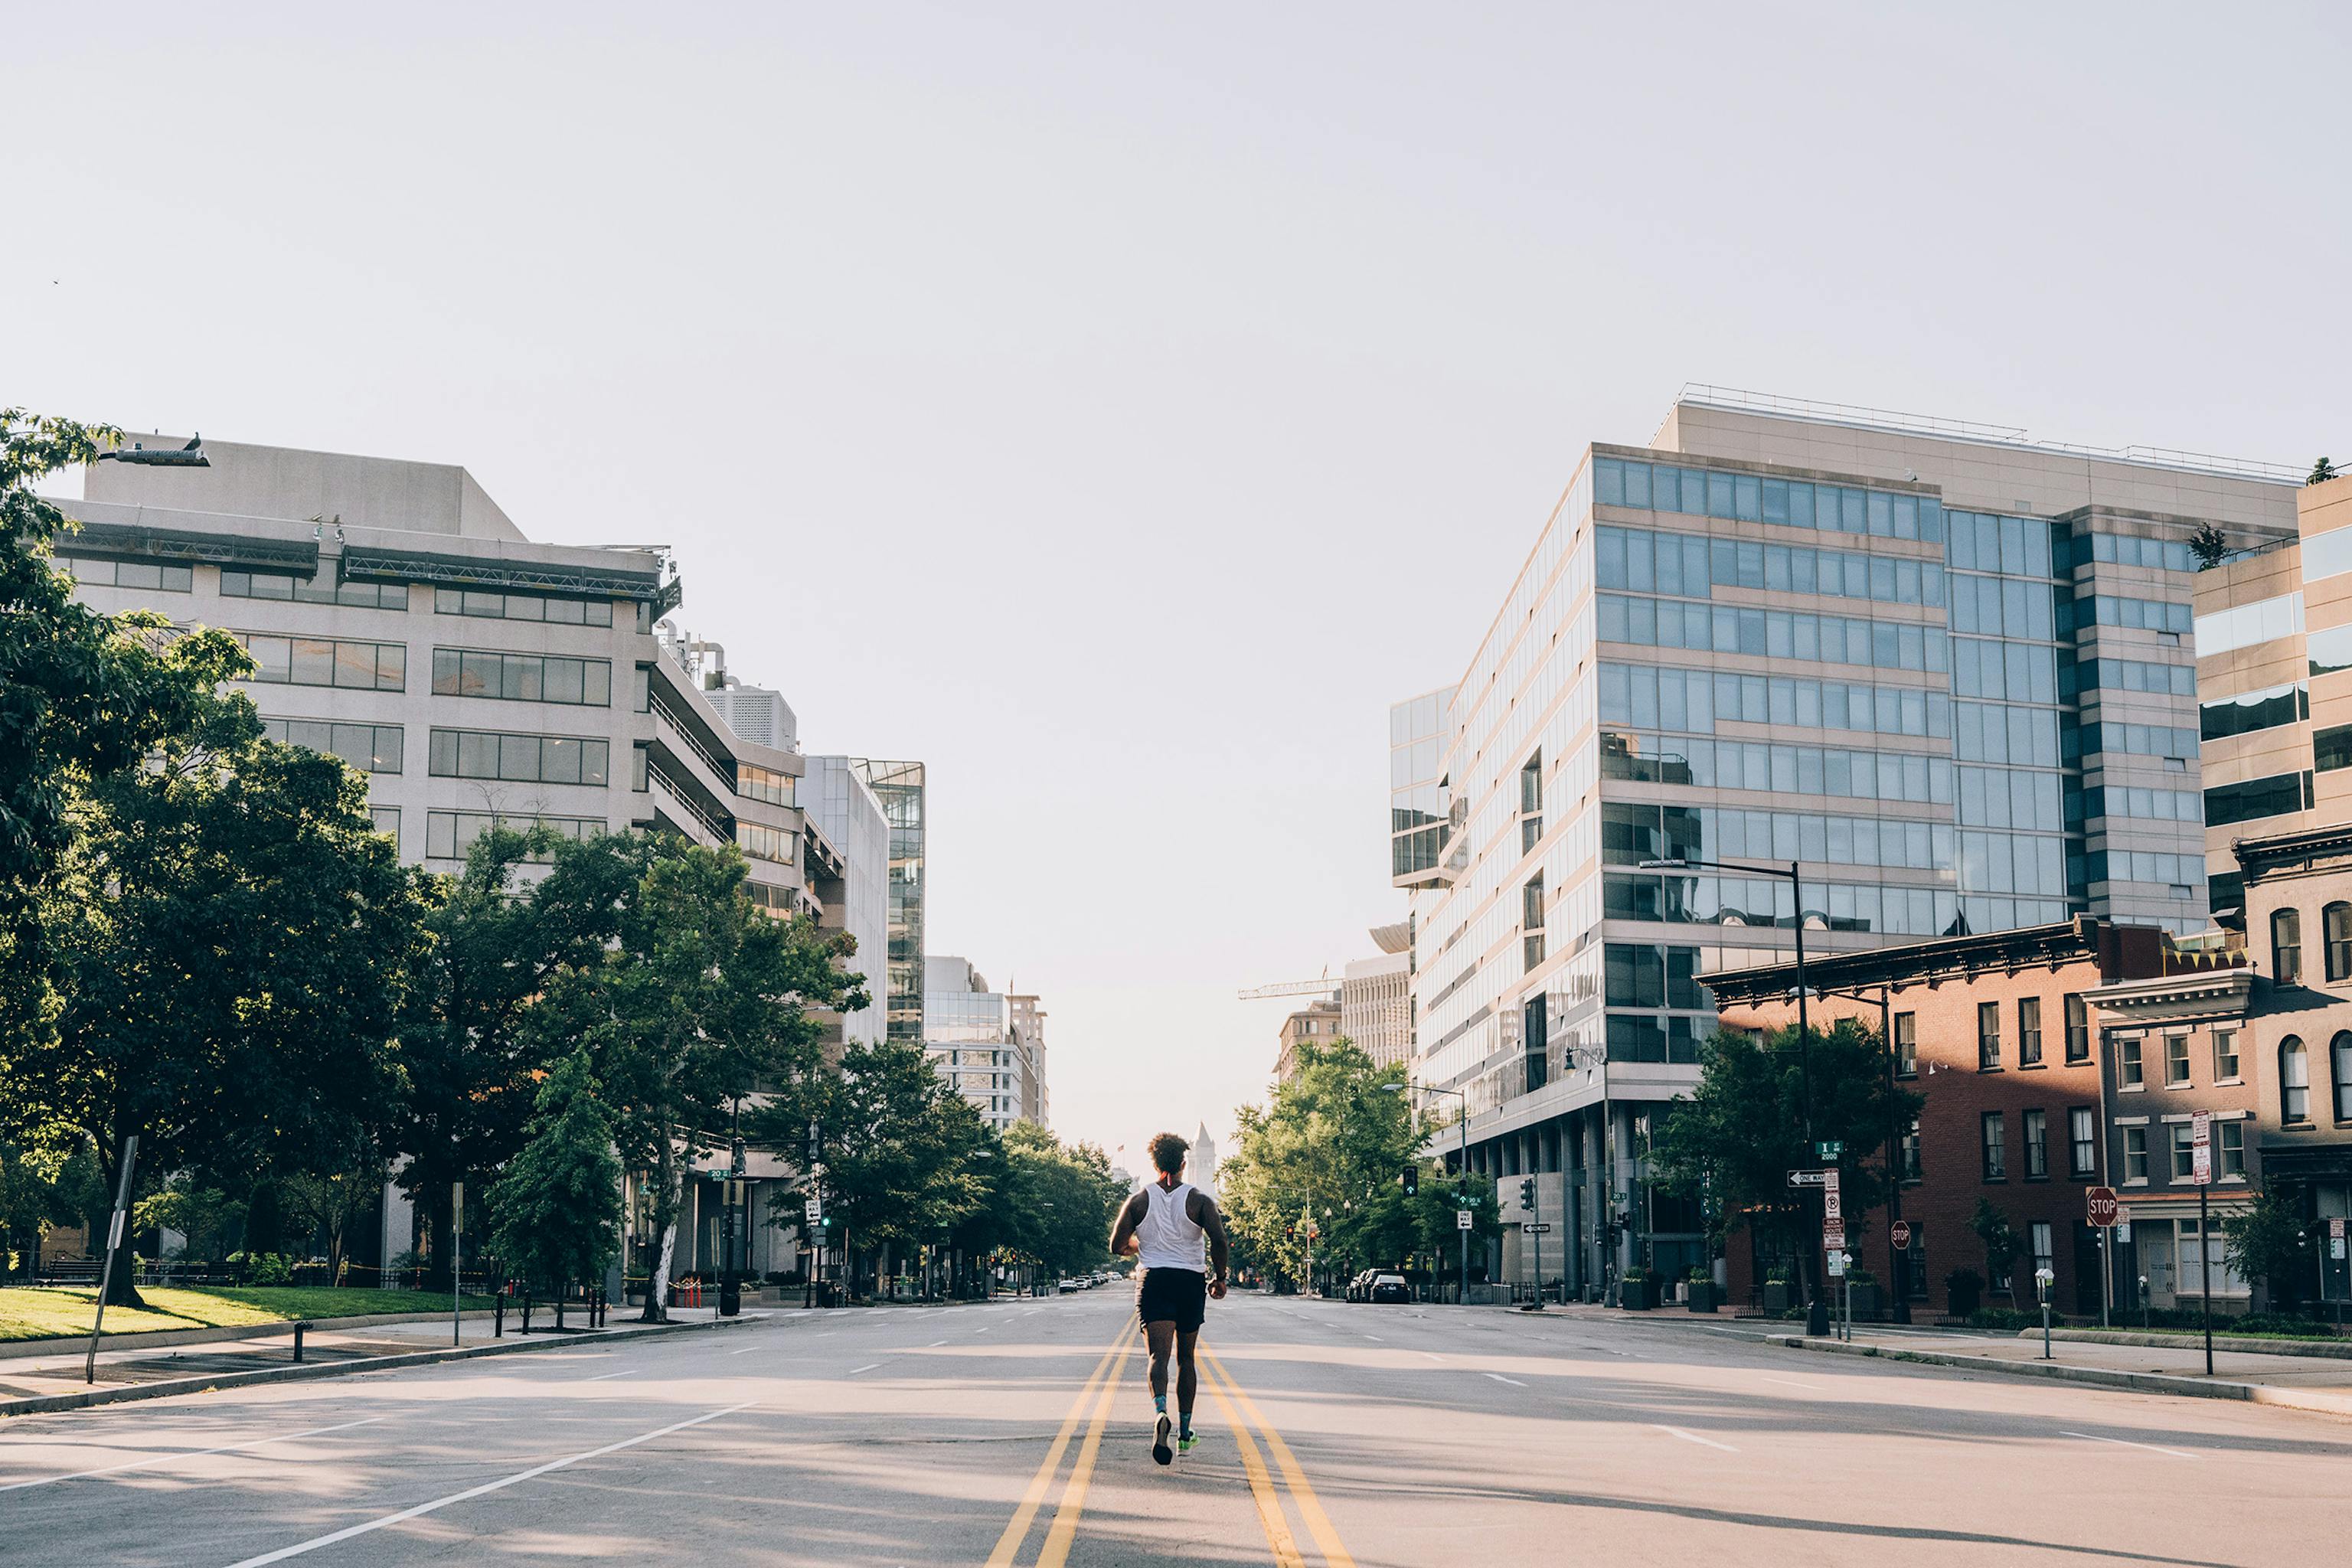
(1695, 1437)
(747, 1349)
(935, 1344)
(1514, 1381)
(602, 1377)
(869, 1366)
(301, 1547)
(1371, 1336)
(1436, 1357)
(1791, 1381)
(186, 1453)
(983, 1328)
(2126, 1442)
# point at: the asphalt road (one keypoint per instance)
(1016, 1435)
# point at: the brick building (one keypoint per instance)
(1996, 1034)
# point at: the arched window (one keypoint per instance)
(2335, 929)
(2342, 1051)
(2286, 946)
(2294, 1081)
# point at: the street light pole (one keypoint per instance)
(1817, 1311)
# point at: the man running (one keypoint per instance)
(1163, 1226)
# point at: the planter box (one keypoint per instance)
(1776, 1297)
(1637, 1295)
(1703, 1298)
(1866, 1303)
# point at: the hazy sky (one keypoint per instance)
(1117, 406)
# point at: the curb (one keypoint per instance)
(2318, 1349)
(163, 1338)
(2097, 1376)
(292, 1373)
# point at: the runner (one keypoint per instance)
(1164, 1226)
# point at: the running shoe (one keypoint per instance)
(1160, 1449)
(1184, 1443)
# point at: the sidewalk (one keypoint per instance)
(2300, 1382)
(51, 1377)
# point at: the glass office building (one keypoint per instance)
(900, 787)
(1945, 671)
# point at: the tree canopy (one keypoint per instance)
(556, 1207)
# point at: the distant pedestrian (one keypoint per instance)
(1178, 1237)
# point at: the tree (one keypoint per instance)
(702, 1002)
(1731, 1143)
(904, 1152)
(2267, 1242)
(201, 1214)
(222, 941)
(2210, 545)
(1056, 1201)
(2000, 1247)
(330, 1200)
(2321, 472)
(495, 939)
(1328, 1152)
(87, 694)
(556, 1208)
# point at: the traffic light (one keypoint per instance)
(1412, 1179)
(1528, 1194)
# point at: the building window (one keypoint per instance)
(2078, 1030)
(1532, 920)
(236, 584)
(93, 574)
(2082, 1140)
(2176, 1061)
(2340, 1057)
(386, 820)
(2225, 1055)
(2184, 1150)
(2029, 1031)
(2286, 946)
(2294, 1081)
(2037, 1146)
(1911, 1151)
(1907, 1045)
(2128, 1063)
(371, 748)
(762, 842)
(755, 783)
(518, 758)
(2045, 1261)
(1532, 786)
(1996, 1154)
(640, 755)
(2335, 933)
(325, 662)
(2136, 1154)
(522, 677)
(521, 607)
(1987, 1035)
(449, 834)
(2231, 1137)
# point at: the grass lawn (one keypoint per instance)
(33, 1312)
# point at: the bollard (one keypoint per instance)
(498, 1316)
(300, 1326)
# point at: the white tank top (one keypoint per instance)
(1167, 1237)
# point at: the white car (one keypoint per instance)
(1068, 1287)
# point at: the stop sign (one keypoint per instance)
(2101, 1202)
(1900, 1234)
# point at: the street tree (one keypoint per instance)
(1058, 1202)
(2270, 1242)
(528, 907)
(906, 1158)
(701, 1004)
(556, 1208)
(1999, 1239)
(1732, 1142)
(223, 938)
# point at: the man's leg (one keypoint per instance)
(1188, 1382)
(1160, 1337)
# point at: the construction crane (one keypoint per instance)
(1326, 986)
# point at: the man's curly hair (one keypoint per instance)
(1168, 1152)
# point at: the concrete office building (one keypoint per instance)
(402, 621)
(1945, 669)
(1029, 1022)
(1317, 1023)
(977, 1043)
(1376, 998)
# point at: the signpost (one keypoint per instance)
(113, 1245)
(2200, 1173)
(2103, 1210)
(456, 1254)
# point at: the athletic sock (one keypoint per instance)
(1159, 1403)
(1185, 1424)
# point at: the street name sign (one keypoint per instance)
(2102, 1205)
(1462, 1219)
(2200, 1148)
(1830, 1149)
(1899, 1233)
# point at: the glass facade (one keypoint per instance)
(900, 787)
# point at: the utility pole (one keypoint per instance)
(456, 1258)
(113, 1245)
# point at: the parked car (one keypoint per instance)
(1069, 1287)
(1359, 1288)
(1388, 1287)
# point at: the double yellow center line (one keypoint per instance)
(1241, 1413)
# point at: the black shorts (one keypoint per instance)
(1178, 1296)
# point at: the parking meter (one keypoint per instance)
(2043, 1280)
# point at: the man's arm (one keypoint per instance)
(1122, 1230)
(1209, 1218)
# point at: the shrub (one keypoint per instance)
(1965, 1289)
(2003, 1318)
